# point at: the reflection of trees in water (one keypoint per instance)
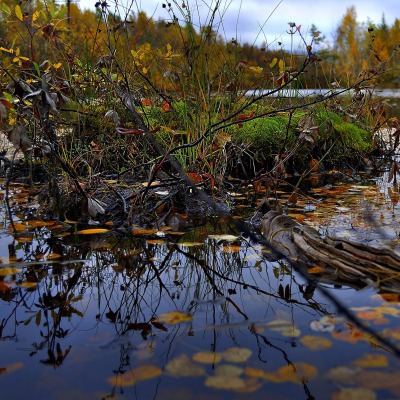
(131, 283)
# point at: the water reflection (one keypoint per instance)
(103, 316)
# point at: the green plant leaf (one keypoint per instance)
(6, 9)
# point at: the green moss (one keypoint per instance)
(352, 135)
(266, 135)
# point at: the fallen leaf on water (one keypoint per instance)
(343, 375)
(28, 285)
(52, 256)
(156, 241)
(372, 361)
(220, 382)
(183, 366)
(297, 372)
(316, 342)
(377, 379)
(9, 271)
(140, 231)
(228, 238)
(259, 373)
(93, 231)
(190, 244)
(356, 393)
(228, 370)
(137, 374)
(351, 335)
(230, 249)
(11, 368)
(19, 227)
(207, 357)
(236, 354)
(174, 317)
(325, 324)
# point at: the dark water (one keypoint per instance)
(78, 312)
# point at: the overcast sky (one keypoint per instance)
(254, 21)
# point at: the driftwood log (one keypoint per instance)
(340, 261)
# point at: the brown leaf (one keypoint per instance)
(19, 138)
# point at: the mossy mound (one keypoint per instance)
(337, 139)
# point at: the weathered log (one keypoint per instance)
(342, 262)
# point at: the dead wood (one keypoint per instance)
(342, 262)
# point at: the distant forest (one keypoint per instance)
(43, 32)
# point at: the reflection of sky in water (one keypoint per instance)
(235, 299)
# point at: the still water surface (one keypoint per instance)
(199, 314)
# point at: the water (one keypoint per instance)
(197, 314)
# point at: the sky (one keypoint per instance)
(257, 21)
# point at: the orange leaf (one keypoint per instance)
(316, 342)
(165, 106)
(372, 361)
(146, 102)
(93, 231)
(137, 374)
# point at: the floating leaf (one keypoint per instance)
(228, 238)
(135, 375)
(183, 366)
(297, 373)
(220, 382)
(9, 271)
(316, 342)
(11, 368)
(231, 249)
(207, 357)
(343, 375)
(144, 232)
(93, 231)
(174, 317)
(377, 379)
(236, 354)
(372, 361)
(228, 370)
(356, 393)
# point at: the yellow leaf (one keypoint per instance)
(7, 50)
(144, 232)
(256, 69)
(174, 317)
(207, 357)
(259, 373)
(144, 70)
(297, 372)
(18, 12)
(58, 65)
(316, 342)
(135, 375)
(357, 393)
(281, 65)
(220, 382)
(35, 15)
(183, 366)
(273, 62)
(93, 231)
(236, 354)
(20, 227)
(29, 285)
(372, 361)
(9, 271)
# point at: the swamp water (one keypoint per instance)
(200, 314)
